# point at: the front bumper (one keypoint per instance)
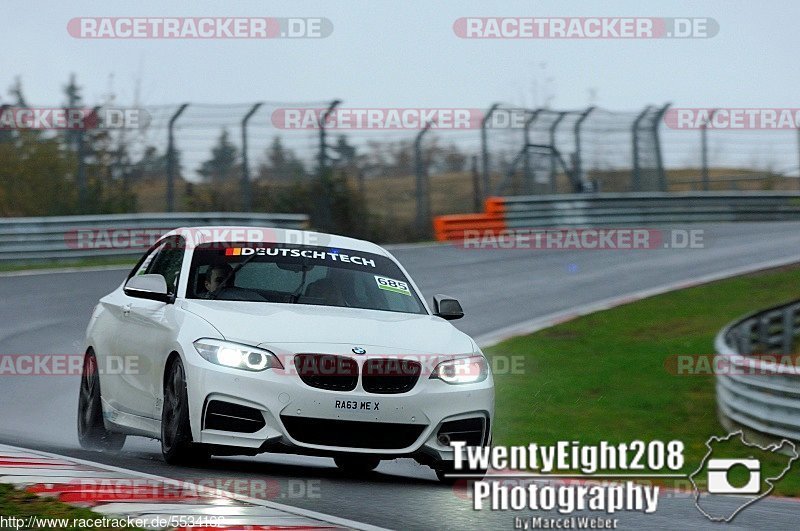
(301, 419)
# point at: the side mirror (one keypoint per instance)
(152, 287)
(447, 307)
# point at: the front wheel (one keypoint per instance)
(92, 432)
(177, 445)
(356, 465)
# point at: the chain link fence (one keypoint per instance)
(382, 179)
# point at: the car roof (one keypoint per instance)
(252, 234)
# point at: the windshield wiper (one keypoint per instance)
(295, 296)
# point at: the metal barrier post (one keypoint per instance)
(485, 151)
(553, 165)
(787, 334)
(324, 200)
(704, 149)
(476, 185)
(662, 176)
(81, 173)
(798, 154)
(423, 215)
(526, 161)
(171, 158)
(577, 170)
(247, 197)
(763, 332)
(636, 184)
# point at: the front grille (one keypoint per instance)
(470, 431)
(352, 434)
(324, 371)
(225, 416)
(390, 375)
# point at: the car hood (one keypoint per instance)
(271, 324)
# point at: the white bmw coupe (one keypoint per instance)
(292, 341)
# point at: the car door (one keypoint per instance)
(148, 330)
(117, 383)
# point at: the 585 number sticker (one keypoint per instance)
(390, 284)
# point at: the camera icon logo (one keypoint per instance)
(719, 483)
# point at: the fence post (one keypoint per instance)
(526, 161)
(577, 170)
(423, 215)
(798, 154)
(485, 151)
(325, 199)
(636, 177)
(247, 197)
(704, 149)
(553, 165)
(3, 108)
(81, 171)
(476, 186)
(662, 176)
(171, 158)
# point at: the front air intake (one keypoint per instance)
(225, 416)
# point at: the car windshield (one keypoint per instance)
(300, 274)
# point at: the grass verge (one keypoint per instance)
(47, 513)
(603, 376)
(57, 264)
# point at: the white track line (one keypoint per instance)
(335, 520)
(534, 325)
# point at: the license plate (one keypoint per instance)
(358, 405)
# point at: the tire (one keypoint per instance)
(445, 468)
(177, 445)
(92, 432)
(356, 465)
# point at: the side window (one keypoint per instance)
(168, 261)
(141, 267)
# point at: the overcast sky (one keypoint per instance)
(405, 53)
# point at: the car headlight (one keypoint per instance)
(236, 356)
(462, 370)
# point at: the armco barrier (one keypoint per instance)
(760, 394)
(519, 212)
(54, 238)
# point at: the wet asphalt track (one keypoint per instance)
(48, 313)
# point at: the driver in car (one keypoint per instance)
(215, 276)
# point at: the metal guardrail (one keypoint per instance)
(612, 209)
(756, 389)
(651, 207)
(59, 237)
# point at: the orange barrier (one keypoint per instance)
(495, 205)
(452, 227)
